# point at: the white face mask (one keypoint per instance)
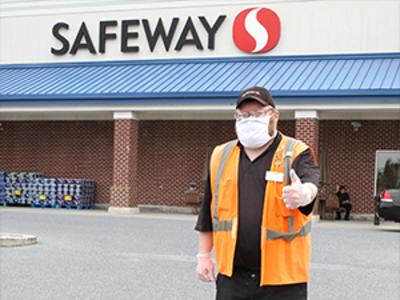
(253, 132)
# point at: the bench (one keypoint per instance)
(332, 206)
(194, 199)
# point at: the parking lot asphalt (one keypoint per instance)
(83, 254)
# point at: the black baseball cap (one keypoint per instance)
(257, 93)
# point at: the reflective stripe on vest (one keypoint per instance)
(222, 225)
(287, 159)
(289, 236)
(224, 157)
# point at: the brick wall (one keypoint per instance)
(60, 149)
(173, 153)
(352, 155)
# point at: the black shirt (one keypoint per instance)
(343, 197)
(251, 200)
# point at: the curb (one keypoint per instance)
(163, 209)
(357, 218)
(362, 217)
(16, 239)
(315, 219)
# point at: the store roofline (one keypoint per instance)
(363, 78)
(284, 96)
(261, 58)
(325, 100)
(345, 106)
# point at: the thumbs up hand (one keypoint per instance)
(296, 194)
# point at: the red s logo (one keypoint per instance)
(256, 30)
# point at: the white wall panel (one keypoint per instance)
(308, 27)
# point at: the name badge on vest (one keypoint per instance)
(274, 176)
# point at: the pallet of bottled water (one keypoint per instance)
(43, 192)
(38, 191)
(2, 188)
(17, 186)
(76, 193)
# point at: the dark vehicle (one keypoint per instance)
(388, 206)
(387, 199)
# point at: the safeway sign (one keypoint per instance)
(256, 30)
(253, 30)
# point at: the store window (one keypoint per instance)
(387, 170)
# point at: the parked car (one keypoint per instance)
(387, 183)
(387, 206)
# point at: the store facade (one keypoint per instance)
(135, 97)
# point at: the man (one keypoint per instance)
(344, 201)
(255, 215)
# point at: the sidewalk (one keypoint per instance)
(98, 212)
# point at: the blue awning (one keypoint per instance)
(334, 78)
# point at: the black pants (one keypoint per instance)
(246, 286)
(347, 207)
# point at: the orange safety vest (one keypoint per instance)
(285, 238)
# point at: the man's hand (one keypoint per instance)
(205, 267)
(297, 194)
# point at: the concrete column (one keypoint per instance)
(307, 130)
(125, 156)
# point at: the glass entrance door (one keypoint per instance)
(387, 170)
